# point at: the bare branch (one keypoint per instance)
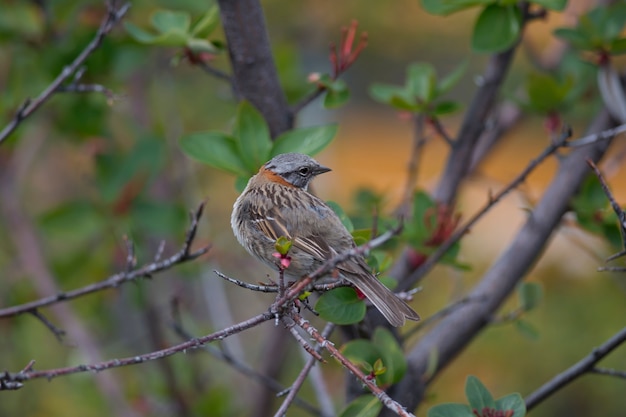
(297, 384)
(436, 256)
(30, 106)
(8, 378)
(146, 271)
(608, 372)
(58, 333)
(587, 364)
(621, 215)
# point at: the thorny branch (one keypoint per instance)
(28, 107)
(183, 255)
(367, 381)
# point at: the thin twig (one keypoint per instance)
(433, 258)
(291, 326)
(587, 364)
(413, 165)
(621, 215)
(30, 106)
(22, 376)
(58, 333)
(596, 137)
(608, 372)
(241, 367)
(246, 285)
(214, 71)
(299, 381)
(183, 255)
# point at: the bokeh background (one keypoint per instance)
(86, 170)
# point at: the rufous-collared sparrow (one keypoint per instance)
(276, 203)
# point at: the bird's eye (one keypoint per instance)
(304, 171)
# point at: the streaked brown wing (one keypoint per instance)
(271, 223)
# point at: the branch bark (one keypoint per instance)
(254, 72)
(454, 332)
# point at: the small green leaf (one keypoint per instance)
(618, 46)
(345, 220)
(361, 236)
(392, 356)
(546, 93)
(308, 140)
(445, 107)
(446, 7)
(361, 351)
(201, 45)
(477, 394)
(215, 149)
(379, 368)
(139, 34)
(421, 81)
(384, 92)
(336, 98)
(513, 402)
(575, 37)
(207, 23)
(526, 329)
(451, 79)
(497, 28)
(282, 245)
(166, 21)
(530, 294)
(253, 136)
(450, 410)
(363, 406)
(556, 5)
(341, 306)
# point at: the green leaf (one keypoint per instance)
(282, 245)
(201, 45)
(530, 294)
(450, 410)
(451, 79)
(446, 7)
(385, 92)
(618, 46)
(513, 402)
(363, 406)
(575, 37)
(166, 21)
(546, 93)
(477, 394)
(445, 107)
(139, 34)
(392, 356)
(557, 5)
(361, 351)
(207, 23)
(171, 38)
(345, 220)
(421, 81)
(253, 136)
(334, 99)
(497, 28)
(308, 140)
(341, 306)
(215, 149)
(526, 329)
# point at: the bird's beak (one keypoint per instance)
(321, 169)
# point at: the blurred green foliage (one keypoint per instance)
(105, 167)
